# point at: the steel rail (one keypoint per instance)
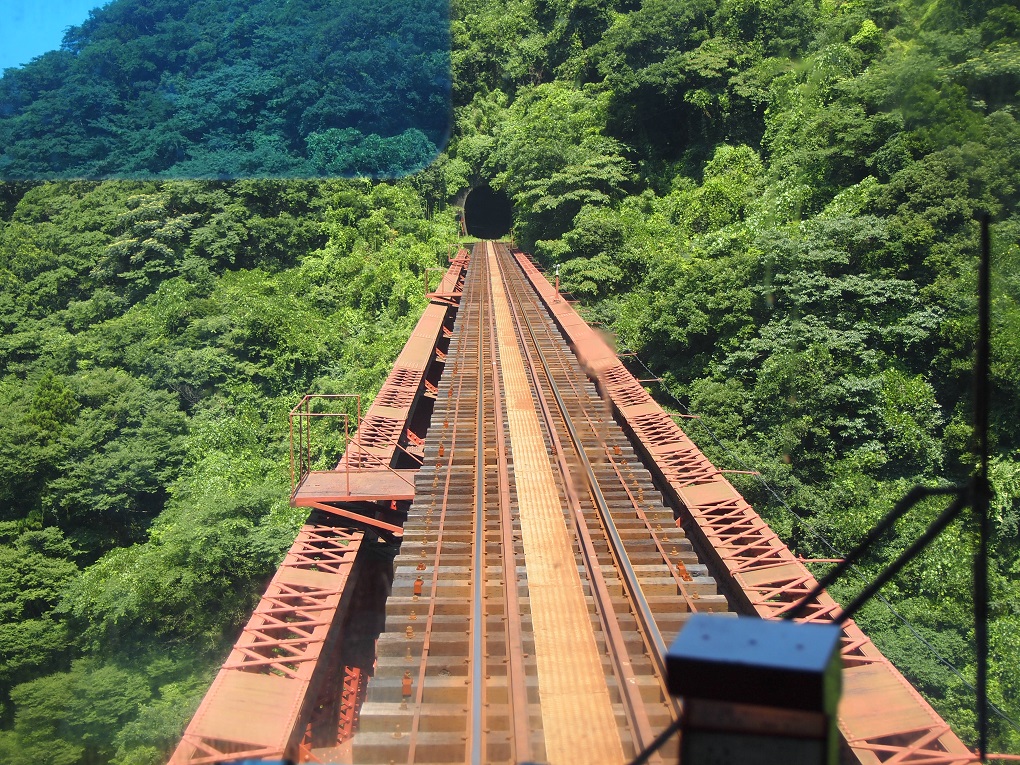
(518, 696)
(476, 654)
(555, 342)
(434, 587)
(657, 646)
(620, 553)
(623, 667)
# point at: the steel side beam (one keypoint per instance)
(262, 695)
(880, 711)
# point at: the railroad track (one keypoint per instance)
(541, 575)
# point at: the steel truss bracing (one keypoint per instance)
(257, 705)
(882, 717)
(272, 685)
(535, 484)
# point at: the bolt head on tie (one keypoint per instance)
(409, 632)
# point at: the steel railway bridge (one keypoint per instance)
(493, 571)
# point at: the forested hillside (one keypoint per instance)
(233, 88)
(773, 203)
(154, 337)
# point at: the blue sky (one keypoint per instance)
(29, 28)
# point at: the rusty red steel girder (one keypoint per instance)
(366, 470)
(447, 558)
(263, 699)
(384, 428)
(882, 717)
(265, 690)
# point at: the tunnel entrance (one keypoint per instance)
(488, 213)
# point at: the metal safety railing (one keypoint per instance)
(301, 418)
(425, 278)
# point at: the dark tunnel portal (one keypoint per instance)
(488, 213)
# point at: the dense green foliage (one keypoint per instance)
(775, 204)
(214, 89)
(154, 338)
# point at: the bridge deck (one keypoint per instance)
(577, 713)
(541, 571)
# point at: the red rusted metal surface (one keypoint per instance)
(882, 717)
(258, 704)
(352, 694)
(367, 485)
(264, 700)
(383, 432)
(382, 435)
